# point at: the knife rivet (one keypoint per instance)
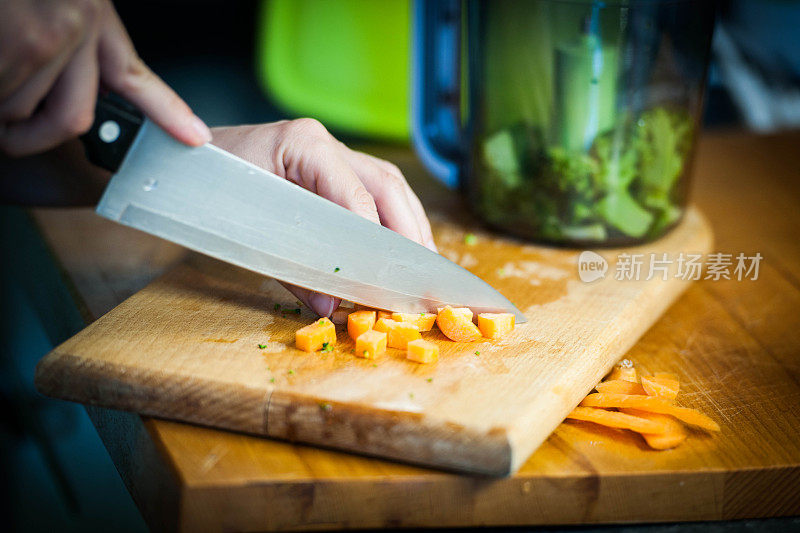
(150, 184)
(109, 131)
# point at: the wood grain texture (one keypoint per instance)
(186, 347)
(734, 345)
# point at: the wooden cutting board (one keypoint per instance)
(186, 348)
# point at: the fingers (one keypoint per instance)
(309, 156)
(322, 304)
(122, 71)
(68, 110)
(399, 208)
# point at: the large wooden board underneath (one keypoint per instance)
(186, 347)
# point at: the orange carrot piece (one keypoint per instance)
(422, 351)
(383, 324)
(674, 435)
(380, 313)
(424, 321)
(466, 311)
(359, 322)
(314, 336)
(400, 334)
(457, 325)
(616, 419)
(619, 386)
(663, 386)
(624, 370)
(495, 325)
(371, 344)
(651, 404)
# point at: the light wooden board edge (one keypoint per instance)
(289, 416)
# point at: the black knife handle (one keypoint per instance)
(116, 123)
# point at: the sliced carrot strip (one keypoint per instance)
(616, 419)
(651, 404)
(619, 386)
(624, 370)
(674, 435)
(661, 386)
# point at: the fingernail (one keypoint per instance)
(431, 245)
(322, 304)
(202, 131)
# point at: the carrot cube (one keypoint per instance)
(457, 325)
(359, 322)
(383, 324)
(371, 344)
(424, 321)
(495, 325)
(400, 334)
(466, 311)
(422, 351)
(380, 313)
(314, 336)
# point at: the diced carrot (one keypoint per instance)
(379, 312)
(619, 386)
(359, 322)
(312, 337)
(424, 321)
(371, 344)
(383, 324)
(661, 385)
(651, 404)
(400, 334)
(422, 351)
(457, 325)
(674, 434)
(624, 370)
(495, 325)
(466, 311)
(616, 419)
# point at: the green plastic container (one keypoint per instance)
(345, 63)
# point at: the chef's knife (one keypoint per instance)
(211, 201)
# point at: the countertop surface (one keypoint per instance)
(180, 474)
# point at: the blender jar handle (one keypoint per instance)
(436, 129)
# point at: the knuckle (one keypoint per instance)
(394, 183)
(133, 77)
(38, 45)
(20, 113)
(309, 126)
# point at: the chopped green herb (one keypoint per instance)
(327, 347)
(501, 271)
(337, 269)
(411, 395)
(325, 406)
(374, 364)
(277, 307)
(422, 314)
(470, 239)
(262, 346)
(297, 303)
(272, 380)
(297, 311)
(291, 372)
(430, 380)
(477, 352)
(366, 353)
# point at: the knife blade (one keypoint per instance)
(218, 204)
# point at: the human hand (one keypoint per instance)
(302, 151)
(53, 56)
